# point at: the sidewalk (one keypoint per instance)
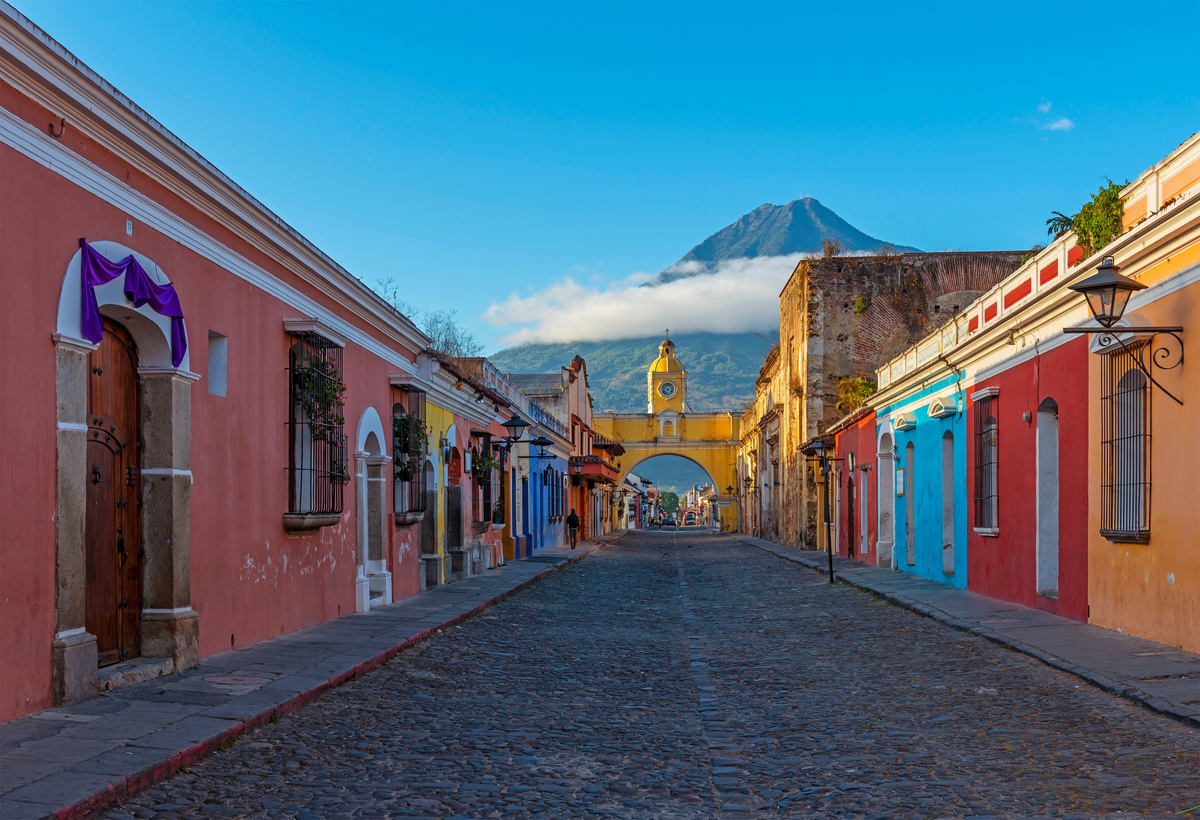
(75, 761)
(1159, 677)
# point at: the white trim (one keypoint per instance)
(40, 148)
(904, 422)
(179, 610)
(988, 532)
(41, 69)
(82, 345)
(369, 422)
(168, 471)
(307, 324)
(943, 407)
(72, 425)
(985, 393)
(69, 633)
(175, 372)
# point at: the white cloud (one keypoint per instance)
(1044, 108)
(740, 295)
(1060, 124)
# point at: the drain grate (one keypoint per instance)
(543, 559)
(1166, 677)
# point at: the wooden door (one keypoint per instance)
(113, 526)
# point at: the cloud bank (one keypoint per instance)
(738, 296)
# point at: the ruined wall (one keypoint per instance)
(841, 317)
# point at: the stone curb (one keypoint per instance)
(113, 795)
(1132, 694)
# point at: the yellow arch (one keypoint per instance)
(708, 439)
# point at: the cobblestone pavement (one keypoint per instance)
(684, 675)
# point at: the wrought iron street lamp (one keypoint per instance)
(541, 443)
(515, 427)
(1107, 293)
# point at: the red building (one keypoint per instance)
(856, 507)
(1036, 407)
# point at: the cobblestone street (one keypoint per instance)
(689, 675)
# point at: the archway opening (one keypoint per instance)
(683, 485)
(887, 502)
(374, 581)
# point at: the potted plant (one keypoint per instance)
(322, 397)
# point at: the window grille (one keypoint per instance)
(1125, 449)
(410, 434)
(317, 465)
(485, 479)
(987, 428)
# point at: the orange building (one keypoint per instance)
(1144, 515)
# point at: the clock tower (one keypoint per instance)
(667, 381)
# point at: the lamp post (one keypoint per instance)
(820, 448)
(1107, 293)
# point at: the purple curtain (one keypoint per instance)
(139, 289)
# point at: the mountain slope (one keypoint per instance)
(773, 230)
(721, 367)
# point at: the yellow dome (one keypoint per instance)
(666, 361)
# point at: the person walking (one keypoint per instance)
(572, 526)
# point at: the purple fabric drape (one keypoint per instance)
(139, 289)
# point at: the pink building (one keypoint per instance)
(213, 433)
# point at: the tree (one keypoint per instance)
(670, 502)
(853, 392)
(446, 335)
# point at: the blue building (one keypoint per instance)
(924, 428)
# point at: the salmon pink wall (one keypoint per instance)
(27, 419)
(859, 440)
(250, 580)
(1005, 566)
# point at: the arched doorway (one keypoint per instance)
(948, 503)
(154, 466)
(431, 561)
(113, 529)
(910, 513)
(1047, 498)
(374, 582)
(887, 502)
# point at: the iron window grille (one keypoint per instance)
(987, 457)
(1125, 449)
(317, 462)
(410, 434)
(484, 478)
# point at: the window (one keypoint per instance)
(987, 427)
(1125, 450)
(483, 470)
(317, 472)
(218, 364)
(410, 434)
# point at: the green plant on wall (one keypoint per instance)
(860, 305)
(322, 397)
(483, 464)
(853, 392)
(409, 437)
(1097, 223)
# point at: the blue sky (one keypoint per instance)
(477, 152)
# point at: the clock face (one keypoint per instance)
(667, 389)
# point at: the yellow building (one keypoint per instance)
(669, 427)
